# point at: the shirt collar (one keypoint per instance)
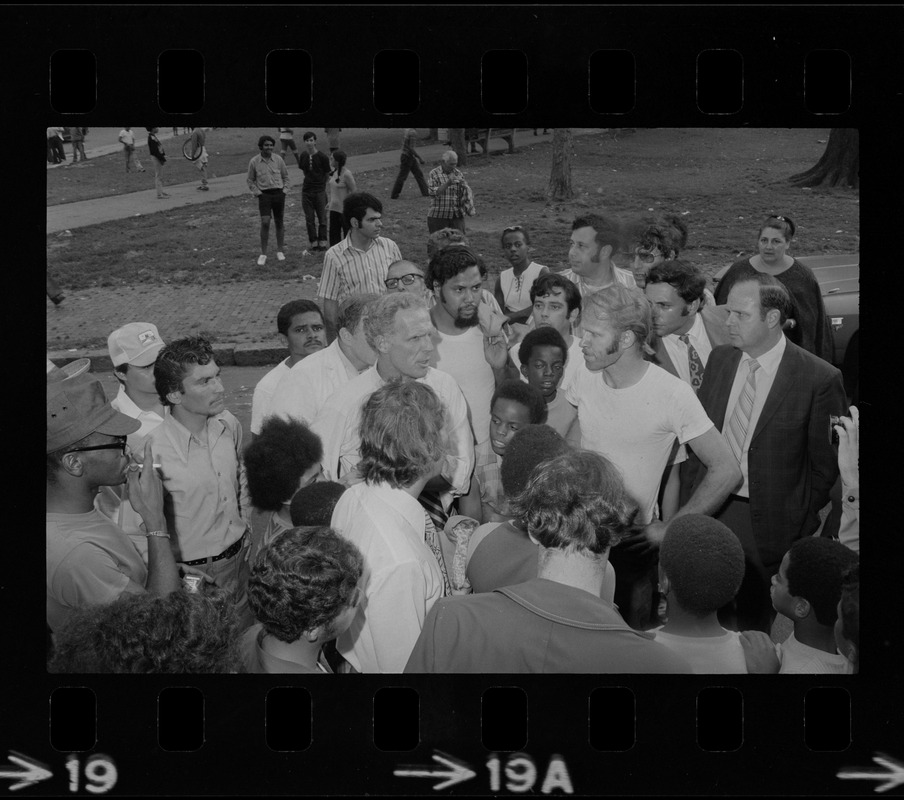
(769, 360)
(696, 330)
(183, 438)
(130, 408)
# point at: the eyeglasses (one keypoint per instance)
(120, 445)
(407, 280)
(647, 256)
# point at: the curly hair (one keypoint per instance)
(313, 505)
(548, 281)
(815, 567)
(145, 633)
(277, 458)
(704, 562)
(380, 319)
(668, 235)
(850, 604)
(526, 395)
(293, 307)
(626, 309)
(175, 361)
(688, 281)
(541, 337)
(529, 447)
(444, 237)
(401, 433)
(265, 138)
(302, 580)
(576, 501)
(449, 262)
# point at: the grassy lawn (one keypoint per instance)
(230, 150)
(723, 182)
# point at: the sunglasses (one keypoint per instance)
(646, 256)
(407, 280)
(120, 445)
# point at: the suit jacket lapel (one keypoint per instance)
(784, 380)
(717, 379)
(662, 357)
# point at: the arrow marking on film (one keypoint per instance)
(457, 771)
(892, 776)
(34, 771)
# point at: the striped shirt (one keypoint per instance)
(348, 270)
(488, 474)
(453, 202)
(268, 173)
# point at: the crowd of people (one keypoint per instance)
(605, 469)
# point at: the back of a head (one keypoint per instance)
(443, 238)
(181, 632)
(704, 562)
(815, 567)
(577, 501)
(277, 458)
(314, 504)
(529, 447)
(303, 580)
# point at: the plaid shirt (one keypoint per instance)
(348, 270)
(454, 201)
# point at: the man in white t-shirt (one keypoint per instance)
(300, 325)
(477, 362)
(128, 148)
(632, 412)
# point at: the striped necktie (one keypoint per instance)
(736, 431)
(694, 362)
(431, 537)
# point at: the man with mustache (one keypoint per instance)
(463, 349)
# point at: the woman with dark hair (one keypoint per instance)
(340, 185)
(812, 331)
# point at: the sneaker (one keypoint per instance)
(203, 188)
(280, 255)
(261, 260)
(57, 299)
(324, 245)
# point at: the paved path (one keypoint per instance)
(247, 309)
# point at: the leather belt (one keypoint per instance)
(229, 552)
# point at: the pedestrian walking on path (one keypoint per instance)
(158, 157)
(199, 155)
(268, 180)
(128, 148)
(409, 163)
(78, 144)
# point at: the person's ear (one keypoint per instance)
(574, 316)
(175, 397)
(801, 608)
(285, 339)
(605, 251)
(523, 369)
(73, 464)
(313, 635)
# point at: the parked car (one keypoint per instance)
(839, 281)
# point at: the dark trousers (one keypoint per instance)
(409, 165)
(338, 228)
(315, 203)
(752, 606)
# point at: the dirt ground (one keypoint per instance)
(722, 182)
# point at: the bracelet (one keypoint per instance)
(162, 534)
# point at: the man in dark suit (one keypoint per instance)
(687, 324)
(772, 402)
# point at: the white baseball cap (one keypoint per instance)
(137, 343)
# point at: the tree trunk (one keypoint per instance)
(433, 135)
(457, 137)
(840, 163)
(560, 176)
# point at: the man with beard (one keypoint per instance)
(477, 362)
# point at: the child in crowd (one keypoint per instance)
(304, 592)
(513, 285)
(807, 590)
(284, 457)
(701, 565)
(514, 405)
(543, 355)
(315, 503)
(847, 627)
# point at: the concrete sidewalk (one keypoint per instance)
(246, 309)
